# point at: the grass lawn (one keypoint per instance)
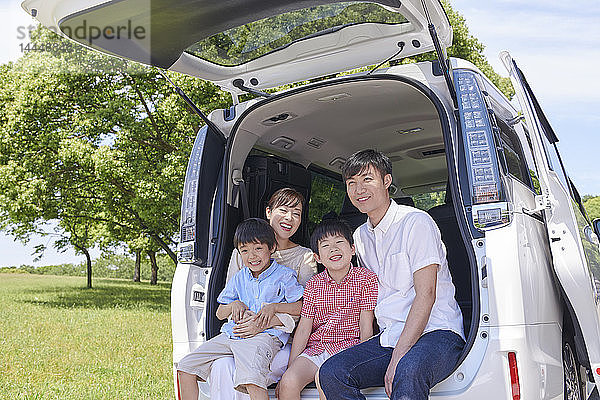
(59, 340)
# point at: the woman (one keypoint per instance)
(284, 212)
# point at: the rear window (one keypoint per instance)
(426, 201)
(326, 196)
(245, 43)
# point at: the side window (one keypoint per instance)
(577, 198)
(532, 168)
(555, 164)
(326, 195)
(513, 152)
(425, 201)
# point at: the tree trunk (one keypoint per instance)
(136, 269)
(154, 277)
(165, 247)
(88, 260)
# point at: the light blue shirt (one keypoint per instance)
(276, 284)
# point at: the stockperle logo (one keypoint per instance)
(85, 32)
(90, 33)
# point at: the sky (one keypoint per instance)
(555, 43)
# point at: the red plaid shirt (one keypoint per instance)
(335, 309)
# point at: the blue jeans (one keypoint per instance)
(430, 360)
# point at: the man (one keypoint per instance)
(421, 335)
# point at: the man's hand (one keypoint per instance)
(265, 316)
(237, 310)
(389, 375)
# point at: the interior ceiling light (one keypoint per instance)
(276, 119)
(334, 97)
(408, 131)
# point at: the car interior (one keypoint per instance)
(296, 139)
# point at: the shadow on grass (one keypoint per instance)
(106, 294)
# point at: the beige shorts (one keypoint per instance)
(252, 358)
(317, 359)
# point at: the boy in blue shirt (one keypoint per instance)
(261, 281)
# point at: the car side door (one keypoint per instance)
(575, 257)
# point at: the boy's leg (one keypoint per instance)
(361, 366)
(188, 386)
(252, 358)
(298, 375)
(197, 363)
(430, 360)
(257, 392)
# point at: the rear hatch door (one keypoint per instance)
(265, 43)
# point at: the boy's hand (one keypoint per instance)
(264, 317)
(237, 310)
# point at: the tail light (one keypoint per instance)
(514, 376)
(178, 386)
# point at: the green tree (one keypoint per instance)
(467, 47)
(592, 206)
(82, 142)
(101, 145)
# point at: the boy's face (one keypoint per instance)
(335, 253)
(368, 190)
(256, 256)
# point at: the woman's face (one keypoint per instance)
(285, 220)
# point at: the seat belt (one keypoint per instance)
(238, 180)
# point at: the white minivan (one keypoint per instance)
(524, 256)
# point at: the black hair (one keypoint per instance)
(285, 197)
(254, 230)
(360, 161)
(327, 228)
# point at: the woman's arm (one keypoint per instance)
(265, 317)
(247, 327)
(301, 337)
(307, 268)
(365, 323)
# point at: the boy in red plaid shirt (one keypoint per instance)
(337, 309)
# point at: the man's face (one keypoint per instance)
(368, 190)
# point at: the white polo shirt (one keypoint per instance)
(406, 240)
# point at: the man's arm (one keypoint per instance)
(425, 280)
(365, 323)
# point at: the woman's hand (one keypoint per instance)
(247, 326)
(264, 317)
